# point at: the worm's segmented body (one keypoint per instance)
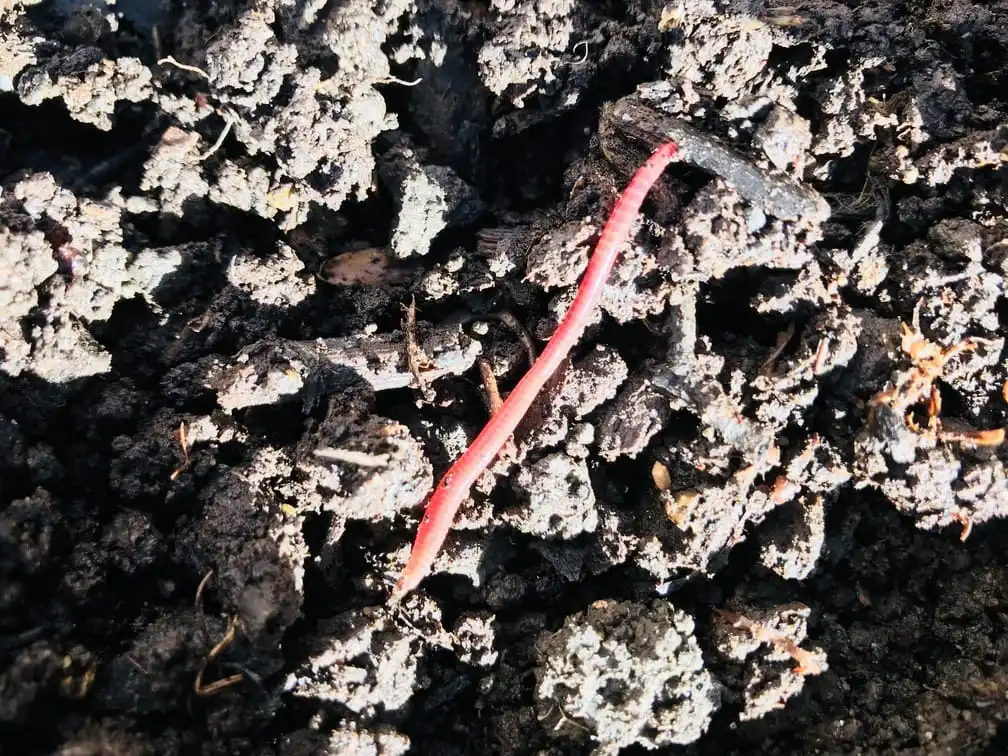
(454, 487)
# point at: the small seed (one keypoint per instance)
(661, 477)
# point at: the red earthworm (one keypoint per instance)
(454, 487)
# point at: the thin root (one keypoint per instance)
(966, 522)
(916, 385)
(511, 322)
(137, 666)
(584, 58)
(228, 123)
(198, 602)
(184, 443)
(170, 61)
(351, 457)
(563, 719)
(807, 662)
(204, 691)
(395, 80)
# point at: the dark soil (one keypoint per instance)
(760, 510)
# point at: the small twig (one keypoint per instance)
(777, 194)
(415, 359)
(783, 339)
(822, 352)
(985, 437)
(170, 61)
(137, 665)
(378, 358)
(784, 15)
(509, 451)
(493, 397)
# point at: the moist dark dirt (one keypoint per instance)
(266, 268)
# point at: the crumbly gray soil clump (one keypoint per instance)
(625, 674)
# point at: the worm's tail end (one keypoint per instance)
(405, 584)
